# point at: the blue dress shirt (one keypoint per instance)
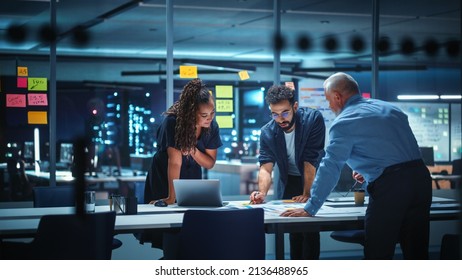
(369, 135)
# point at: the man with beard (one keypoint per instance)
(294, 141)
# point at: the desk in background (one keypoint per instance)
(454, 179)
(125, 185)
(233, 175)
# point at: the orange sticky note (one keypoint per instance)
(244, 75)
(22, 82)
(37, 99)
(188, 71)
(15, 100)
(290, 85)
(37, 117)
(22, 71)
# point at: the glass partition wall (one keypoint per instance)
(112, 84)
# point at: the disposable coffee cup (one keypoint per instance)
(90, 201)
(359, 197)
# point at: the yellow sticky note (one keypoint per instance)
(22, 71)
(188, 71)
(290, 85)
(224, 105)
(224, 121)
(244, 75)
(37, 117)
(37, 84)
(224, 91)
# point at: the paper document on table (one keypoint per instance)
(327, 211)
(341, 199)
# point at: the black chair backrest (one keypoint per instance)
(233, 234)
(59, 196)
(457, 167)
(75, 237)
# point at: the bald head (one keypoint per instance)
(342, 83)
(338, 88)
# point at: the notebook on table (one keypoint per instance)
(198, 192)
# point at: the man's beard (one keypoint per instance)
(291, 124)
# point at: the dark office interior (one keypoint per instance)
(111, 69)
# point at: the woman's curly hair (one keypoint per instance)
(185, 109)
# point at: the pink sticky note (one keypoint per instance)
(366, 95)
(22, 82)
(37, 99)
(15, 100)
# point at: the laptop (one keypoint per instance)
(198, 192)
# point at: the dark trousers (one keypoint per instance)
(303, 245)
(399, 212)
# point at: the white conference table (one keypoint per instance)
(334, 215)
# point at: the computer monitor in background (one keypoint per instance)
(28, 151)
(427, 155)
(66, 153)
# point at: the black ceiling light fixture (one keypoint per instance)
(357, 44)
(431, 47)
(407, 46)
(383, 45)
(330, 43)
(16, 33)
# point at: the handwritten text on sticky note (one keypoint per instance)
(22, 71)
(224, 105)
(15, 100)
(34, 84)
(37, 99)
(188, 71)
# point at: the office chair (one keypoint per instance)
(59, 196)
(67, 237)
(231, 234)
(450, 247)
(349, 236)
(456, 170)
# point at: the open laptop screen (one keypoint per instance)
(198, 192)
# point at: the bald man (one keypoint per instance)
(374, 138)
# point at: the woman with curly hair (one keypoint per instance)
(187, 140)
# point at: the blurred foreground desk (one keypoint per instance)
(339, 215)
(454, 179)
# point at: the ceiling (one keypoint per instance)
(234, 34)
